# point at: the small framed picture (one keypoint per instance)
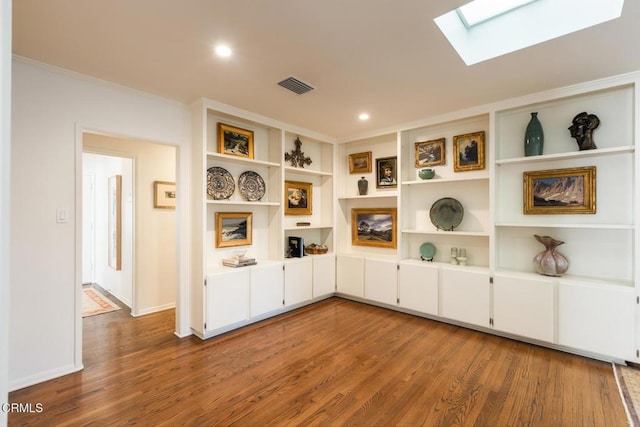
(468, 152)
(298, 198)
(386, 172)
(233, 229)
(360, 162)
(164, 195)
(235, 141)
(374, 227)
(560, 191)
(430, 153)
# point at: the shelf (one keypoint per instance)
(307, 227)
(241, 202)
(450, 233)
(584, 226)
(445, 180)
(565, 156)
(419, 262)
(240, 160)
(370, 196)
(302, 171)
(564, 278)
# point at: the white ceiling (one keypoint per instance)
(386, 57)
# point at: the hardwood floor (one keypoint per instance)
(336, 362)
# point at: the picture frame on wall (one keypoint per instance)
(298, 198)
(560, 191)
(387, 172)
(164, 195)
(234, 229)
(115, 221)
(468, 152)
(360, 162)
(376, 227)
(235, 141)
(430, 153)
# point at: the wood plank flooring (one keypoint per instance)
(336, 362)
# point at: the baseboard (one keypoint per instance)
(43, 376)
(156, 309)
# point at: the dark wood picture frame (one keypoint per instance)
(387, 172)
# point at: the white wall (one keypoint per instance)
(155, 229)
(50, 109)
(5, 138)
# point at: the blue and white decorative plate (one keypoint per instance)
(251, 186)
(220, 183)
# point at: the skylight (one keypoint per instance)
(517, 27)
(479, 11)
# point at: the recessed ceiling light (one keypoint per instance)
(223, 50)
(363, 116)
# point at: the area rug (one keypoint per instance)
(628, 379)
(94, 302)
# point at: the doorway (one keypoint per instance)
(98, 170)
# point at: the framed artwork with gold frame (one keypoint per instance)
(560, 191)
(235, 141)
(360, 162)
(468, 152)
(298, 198)
(375, 227)
(430, 153)
(115, 221)
(233, 229)
(164, 195)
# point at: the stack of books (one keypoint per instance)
(238, 262)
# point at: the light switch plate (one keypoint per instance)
(62, 215)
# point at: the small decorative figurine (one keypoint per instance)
(582, 130)
(297, 158)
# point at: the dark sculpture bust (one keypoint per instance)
(582, 130)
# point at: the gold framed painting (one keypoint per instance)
(235, 141)
(115, 221)
(298, 198)
(430, 153)
(360, 162)
(468, 152)
(375, 227)
(560, 191)
(233, 229)
(164, 195)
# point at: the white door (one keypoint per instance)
(88, 228)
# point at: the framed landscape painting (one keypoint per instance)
(468, 152)
(430, 153)
(235, 141)
(360, 162)
(233, 229)
(374, 227)
(560, 191)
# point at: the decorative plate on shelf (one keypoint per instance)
(220, 183)
(427, 251)
(446, 213)
(251, 186)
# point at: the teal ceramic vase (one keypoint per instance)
(533, 137)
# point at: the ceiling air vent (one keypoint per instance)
(295, 85)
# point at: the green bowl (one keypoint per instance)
(426, 173)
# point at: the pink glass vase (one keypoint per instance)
(550, 262)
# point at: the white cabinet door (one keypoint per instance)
(227, 298)
(597, 318)
(350, 275)
(523, 305)
(324, 275)
(267, 288)
(381, 281)
(464, 295)
(298, 276)
(418, 287)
